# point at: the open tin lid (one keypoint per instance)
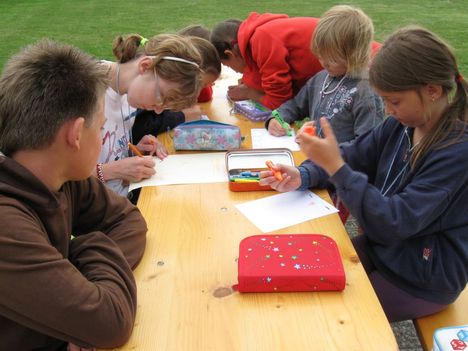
(256, 158)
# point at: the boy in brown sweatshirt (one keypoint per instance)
(59, 292)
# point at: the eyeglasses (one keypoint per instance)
(159, 100)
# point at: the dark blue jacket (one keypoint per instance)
(418, 230)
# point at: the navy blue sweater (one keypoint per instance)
(418, 230)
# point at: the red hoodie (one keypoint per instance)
(277, 53)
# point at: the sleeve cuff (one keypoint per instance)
(305, 178)
(342, 176)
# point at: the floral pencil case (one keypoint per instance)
(252, 110)
(206, 135)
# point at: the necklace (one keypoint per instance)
(384, 191)
(326, 84)
(117, 82)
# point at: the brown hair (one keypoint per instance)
(210, 58)
(187, 76)
(196, 30)
(344, 33)
(224, 36)
(412, 58)
(41, 88)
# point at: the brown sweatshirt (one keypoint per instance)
(54, 290)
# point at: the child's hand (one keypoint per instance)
(151, 145)
(309, 128)
(133, 169)
(291, 178)
(237, 92)
(322, 151)
(192, 113)
(275, 128)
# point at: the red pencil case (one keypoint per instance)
(289, 262)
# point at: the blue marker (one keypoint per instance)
(249, 174)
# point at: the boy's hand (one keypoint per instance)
(291, 178)
(275, 128)
(322, 151)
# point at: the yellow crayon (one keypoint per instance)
(245, 180)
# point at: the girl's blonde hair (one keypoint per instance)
(412, 58)
(344, 33)
(188, 77)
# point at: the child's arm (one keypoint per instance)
(294, 109)
(243, 92)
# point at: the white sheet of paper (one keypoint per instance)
(187, 169)
(261, 139)
(285, 209)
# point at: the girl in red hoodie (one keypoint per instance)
(273, 53)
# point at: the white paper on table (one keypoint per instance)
(285, 209)
(187, 169)
(261, 139)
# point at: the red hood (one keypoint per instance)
(249, 25)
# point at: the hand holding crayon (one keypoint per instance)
(281, 121)
(135, 150)
(311, 130)
(276, 173)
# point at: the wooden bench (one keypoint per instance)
(454, 315)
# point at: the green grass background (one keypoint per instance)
(93, 24)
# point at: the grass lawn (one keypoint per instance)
(93, 24)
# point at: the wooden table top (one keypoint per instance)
(185, 300)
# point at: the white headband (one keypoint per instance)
(172, 58)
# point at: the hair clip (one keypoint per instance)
(178, 59)
(143, 41)
(460, 78)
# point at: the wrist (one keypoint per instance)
(335, 167)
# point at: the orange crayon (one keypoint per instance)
(276, 173)
(135, 150)
(310, 130)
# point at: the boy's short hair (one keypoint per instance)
(344, 33)
(41, 88)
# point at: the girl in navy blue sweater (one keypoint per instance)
(406, 181)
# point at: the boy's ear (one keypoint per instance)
(144, 64)
(74, 133)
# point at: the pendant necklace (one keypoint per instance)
(117, 82)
